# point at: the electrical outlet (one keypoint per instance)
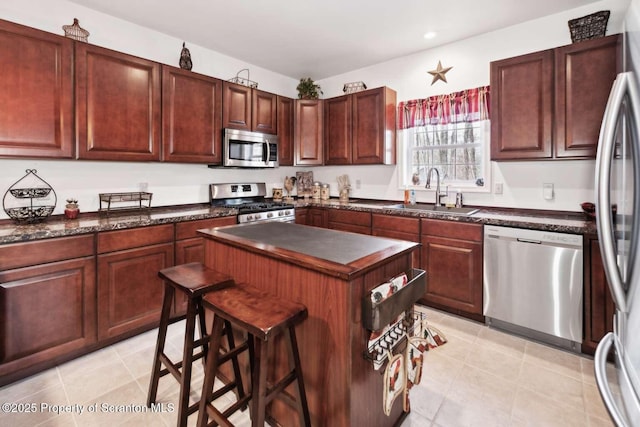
(497, 188)
(358, 183)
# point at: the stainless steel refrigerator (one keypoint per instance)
(618, 223)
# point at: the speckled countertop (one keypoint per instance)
(564, 222)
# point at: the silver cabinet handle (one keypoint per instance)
(600, 364)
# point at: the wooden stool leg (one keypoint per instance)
(202, 323)
(234, 361)
(211, 370)
(259, 383)
(187, 360)
(162, 336)
(294, 359)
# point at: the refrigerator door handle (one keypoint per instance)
(606, 146)
(600, 365)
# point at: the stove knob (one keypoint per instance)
(249, 217)
(270, 214)
(280, 213)
(287, 212)
(257, 216)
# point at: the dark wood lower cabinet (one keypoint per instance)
(129, 289)
(353, 221)
(452, 257)
(47, 303)
(598, 304)
(317, 217)
(397, 227)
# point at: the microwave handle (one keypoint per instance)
(267, 151)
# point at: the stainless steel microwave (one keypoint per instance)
(246, 149)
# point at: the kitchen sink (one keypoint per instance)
(433, 208)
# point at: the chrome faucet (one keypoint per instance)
(428, 185)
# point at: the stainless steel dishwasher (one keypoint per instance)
(533, 284)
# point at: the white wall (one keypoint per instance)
(522, 181)
(186, 183)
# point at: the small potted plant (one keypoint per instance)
(308, 89)
(71, 210)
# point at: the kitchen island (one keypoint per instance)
(330, 272)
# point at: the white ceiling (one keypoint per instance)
(323, 38)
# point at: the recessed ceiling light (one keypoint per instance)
(430, 35)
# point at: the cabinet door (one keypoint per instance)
(302, 215)
(285, 130)
(354, 221)
(455, 274)
(191, 117)
(36, 94)
(584, 75)
(317, 217)
(374, 126)
(129, 289)
(599, 306)
(236, 106)
(522, 107)
(48, 310)
(337, 130)
(264, 112)
(308, 132)
(117, 105)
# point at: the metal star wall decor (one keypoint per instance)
(439, 73)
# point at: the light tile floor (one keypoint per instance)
(481, 377)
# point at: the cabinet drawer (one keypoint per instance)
(43, 251)
(395, 223)
(110, 241)
(452, 229)
(350, 217)
(188, 229)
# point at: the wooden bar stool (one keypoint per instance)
(263, 317)
(193, 280)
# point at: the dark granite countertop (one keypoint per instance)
(561, 222)
(10, 232)
(58, 226)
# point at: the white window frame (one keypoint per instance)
(406, 138)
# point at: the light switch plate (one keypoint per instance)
(547, 191)
(497, 188)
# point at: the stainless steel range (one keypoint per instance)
(250, 200)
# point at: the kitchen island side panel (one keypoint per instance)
(342, 387)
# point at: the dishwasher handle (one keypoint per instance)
(522, 240)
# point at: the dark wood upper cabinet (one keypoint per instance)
(360, 128)
(308, 132)
(248, 109)
(117, 105)
(374, 126)
(36, 94)
(236, 106)
(584, 75)
(550, 104)
(191, 117)
(285, 130)
(522, 107)
(337, 130)
(264, 112)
